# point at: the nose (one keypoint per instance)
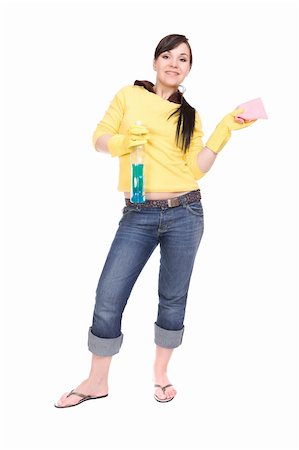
(173, 63)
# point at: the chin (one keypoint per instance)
(171, 84)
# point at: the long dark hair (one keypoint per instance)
(185, 112)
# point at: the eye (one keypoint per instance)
(165, 56)
(183, 60)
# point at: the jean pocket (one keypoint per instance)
(127, 209)
(195, 208)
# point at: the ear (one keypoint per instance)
(154, 65)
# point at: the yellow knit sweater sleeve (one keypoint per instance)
(195, 147)
(112, 119)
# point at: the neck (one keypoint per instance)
(164, 91)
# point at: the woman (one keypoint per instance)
(171, 216)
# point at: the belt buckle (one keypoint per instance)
(172, 202)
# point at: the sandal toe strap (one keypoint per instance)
(163, 387)
(73, 392)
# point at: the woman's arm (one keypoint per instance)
(101, 144)
(205, 159)
(122, 144)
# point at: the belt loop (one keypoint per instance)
(183, 201)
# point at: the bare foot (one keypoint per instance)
(164, 394)
(86, 388)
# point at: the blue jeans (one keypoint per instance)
(178, 231)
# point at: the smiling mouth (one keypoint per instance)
(169, 72)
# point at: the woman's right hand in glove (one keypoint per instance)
(121, 144)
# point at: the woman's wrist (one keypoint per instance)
(101, 144)
(205, 159)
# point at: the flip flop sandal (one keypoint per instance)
(83, 399)
(163, 400)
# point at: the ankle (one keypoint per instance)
(96, 382)
(160, 372)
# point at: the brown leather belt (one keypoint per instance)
(190, 197)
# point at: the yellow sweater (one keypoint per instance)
(166, 168)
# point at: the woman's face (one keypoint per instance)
(173, 66)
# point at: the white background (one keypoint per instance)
(237, 370)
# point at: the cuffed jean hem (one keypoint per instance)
(168, 338)
(104, 346)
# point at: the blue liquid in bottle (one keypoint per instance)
(137, 189)
(137, 174)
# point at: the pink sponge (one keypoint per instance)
(254, 109)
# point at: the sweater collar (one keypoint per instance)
(176, 97)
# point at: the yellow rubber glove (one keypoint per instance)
(121, 144)
(222, 132)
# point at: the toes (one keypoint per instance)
(65, 400)
(160, 394)
(61, 400)
(170, 393)
(166, 394)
